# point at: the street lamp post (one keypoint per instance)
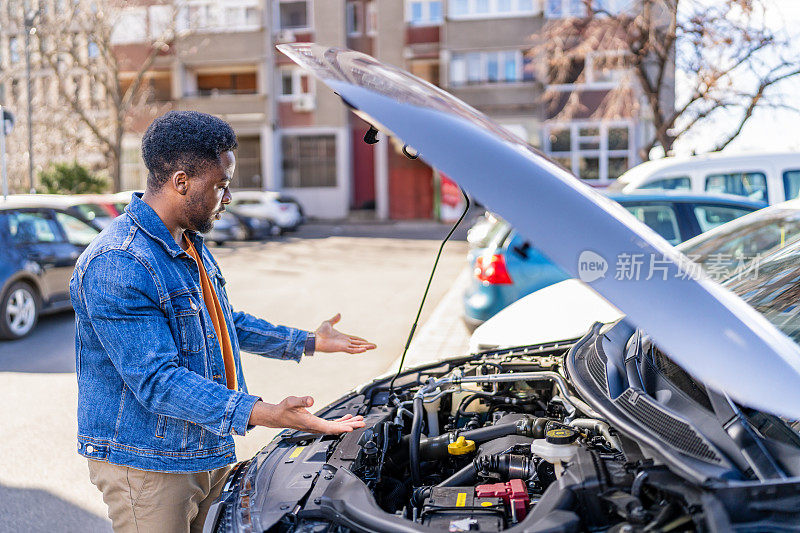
(30, 18)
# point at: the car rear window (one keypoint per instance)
(670, 184)
(791, 183)
(711, 216)
(92, 211)
(660, 218)
(750, 184)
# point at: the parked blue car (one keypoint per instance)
(40, 241)
(508, 267)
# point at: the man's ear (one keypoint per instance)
(180, 182)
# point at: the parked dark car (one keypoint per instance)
(257, 228)
(40, 241)
(681, 417)
(227, 228)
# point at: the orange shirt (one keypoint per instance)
(217, 317)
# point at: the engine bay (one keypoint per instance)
(482, 446)
(499, 442)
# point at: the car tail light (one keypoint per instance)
(491, 270)
(283, 207)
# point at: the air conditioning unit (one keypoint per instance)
(304, 102)
(284, 36)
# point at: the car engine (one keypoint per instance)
(491, 443)
(479, 447)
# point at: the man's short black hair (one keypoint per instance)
(184, 140)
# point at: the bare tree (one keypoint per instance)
(723, 50)
(101, 86)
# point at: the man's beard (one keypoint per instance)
(198, 219)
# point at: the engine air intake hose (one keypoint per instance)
(509, 466)
(436, 447)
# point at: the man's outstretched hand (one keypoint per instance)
(330, 340)
(292, 413)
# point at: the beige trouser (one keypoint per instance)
(142, 501)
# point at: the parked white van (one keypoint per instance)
(771, 178)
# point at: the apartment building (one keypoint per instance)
(296, 137)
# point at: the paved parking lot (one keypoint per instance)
(373, 274)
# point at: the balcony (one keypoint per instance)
(223, 48)
(227, 103)
(500, 97)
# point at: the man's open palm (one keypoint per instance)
(293, 413)
(330, 340)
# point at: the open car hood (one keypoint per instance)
(709, 331)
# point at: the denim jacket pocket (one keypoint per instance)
(187, 313)
(220, 288)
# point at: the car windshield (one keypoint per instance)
(772, 287)
(724, 251)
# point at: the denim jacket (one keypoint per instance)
(151, 384)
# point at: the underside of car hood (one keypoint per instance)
(710, 332)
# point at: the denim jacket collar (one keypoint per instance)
(148, 220)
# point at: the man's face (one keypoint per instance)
(208, 193)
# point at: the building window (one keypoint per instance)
(295, 82)
(354, 18)
(555, 9)
(426, 69)
(491, 8)
(246, 15)
(131, 27)
(15, 94)
(293, 15)
(372, 18)
(13, 50)
(229, 83)
(92, 50)
(199, 15)
(215, 15)
(308, 160)
(160, 21)
(596, 151)
(424, 12)
(612, 7)
(489, 67)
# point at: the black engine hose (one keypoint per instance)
(413, 443)
(469, 399)
(436, 447)
(465, 476)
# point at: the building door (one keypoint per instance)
(363, 190)
(248, 164)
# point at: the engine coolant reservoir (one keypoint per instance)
(557, 447)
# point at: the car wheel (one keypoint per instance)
(20, 308)
(275, 230)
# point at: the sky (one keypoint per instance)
(767, 130)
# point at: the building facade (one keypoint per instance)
(296, 137)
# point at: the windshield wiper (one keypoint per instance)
(736, 425)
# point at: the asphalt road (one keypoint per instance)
(373, 274)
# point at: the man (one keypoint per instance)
(160, 384)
